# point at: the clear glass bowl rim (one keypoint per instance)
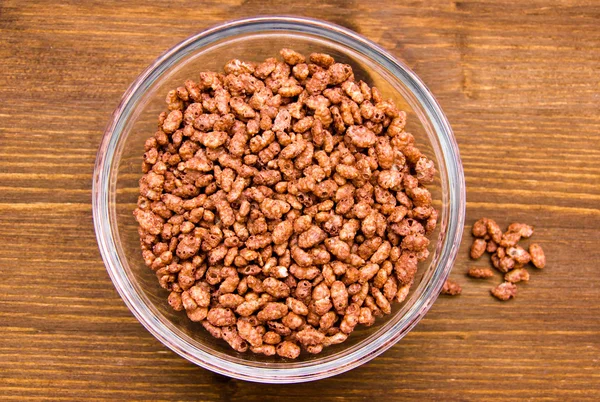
(328, 31)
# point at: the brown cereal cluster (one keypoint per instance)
(507, 256)
(283, 204)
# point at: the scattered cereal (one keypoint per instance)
(507, 256)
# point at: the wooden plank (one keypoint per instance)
(520, 85)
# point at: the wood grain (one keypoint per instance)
(520, 83)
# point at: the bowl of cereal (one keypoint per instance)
(278, 199)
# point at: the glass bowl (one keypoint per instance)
(118, 169)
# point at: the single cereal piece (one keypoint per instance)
(480, 228)
(510, 239)
(478, 248)
(493, 229)
(480, 272)
(518, 254)
(521, 228)
(361, 136)
(288, 350)
(504, 291)
(538, 259)
(505, 263)
(491, 247)
(451, 288)
(517, 275)
(322, 59)
(292, 57)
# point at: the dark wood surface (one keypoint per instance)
(520, 83)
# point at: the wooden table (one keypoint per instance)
(520, 83)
